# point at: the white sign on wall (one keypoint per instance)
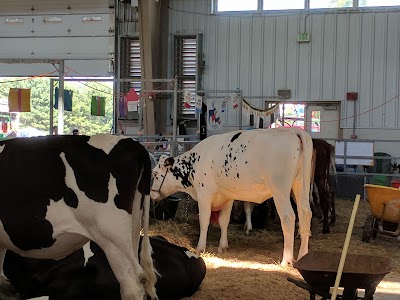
(355, 149)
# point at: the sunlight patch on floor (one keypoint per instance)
(216, 262)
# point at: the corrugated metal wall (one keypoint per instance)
(258, 53)
(84, 45)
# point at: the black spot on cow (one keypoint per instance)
(235, 136)
(184, 169)
(70, 198)
(237, 175)
(202, 184)
(245, 162)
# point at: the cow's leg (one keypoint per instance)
(116, 242)
(287, 217)
(324, 200)
(204, 220)
(131, 280)
(224, 217)
(2, 255)
(305, 215)
(332, 205)
(248, 208)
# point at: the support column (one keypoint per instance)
(150, 26)
(61, 97)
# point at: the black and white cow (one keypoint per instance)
(86, 274)
(249, 165)
(59, 192)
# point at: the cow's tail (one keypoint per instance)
(304, 210)
(146, 260)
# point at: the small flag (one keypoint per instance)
(187, 98)
(223, 107)
(199, 103)
(122, 107)
(132, 95)
(235, 100)
(19, 100)
(67, 99)
(98, 106)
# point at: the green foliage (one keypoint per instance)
(79, 118)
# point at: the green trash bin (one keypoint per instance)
(380, 180)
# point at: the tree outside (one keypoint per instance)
(80, 117)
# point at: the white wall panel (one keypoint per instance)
(281, 52)
(391, 82)
(233, 54)
(348, 52)
(268, 58)
(292, 55)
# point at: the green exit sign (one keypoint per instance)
(303, 37)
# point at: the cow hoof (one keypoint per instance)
(248, 231)
(222, 249)
(285, 264)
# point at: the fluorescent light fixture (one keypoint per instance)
(89, 19)
(52, 19)
(14, 20)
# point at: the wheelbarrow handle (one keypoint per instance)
(345, 247)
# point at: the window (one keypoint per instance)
(271, 5)
(236, 5)
(292, 115)
(315, 121)
(365, 3)
(187, 67)
(135, 67)
(130, 68)
(330, 3)
(283, 5)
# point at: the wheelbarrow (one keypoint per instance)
(384, 203)
(319, 270)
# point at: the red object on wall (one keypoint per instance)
(352, 96)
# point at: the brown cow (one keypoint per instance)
(325, 153)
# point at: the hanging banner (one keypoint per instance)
(19, 100)
(214, 109)
(187, 98)
(235, 100)
(132, 100)
(199, 103)
(122, 107)
(259, 119)
(67, 99)
(98, 106)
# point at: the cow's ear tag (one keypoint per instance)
(169, 161)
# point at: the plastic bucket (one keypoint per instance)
(395, 184)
